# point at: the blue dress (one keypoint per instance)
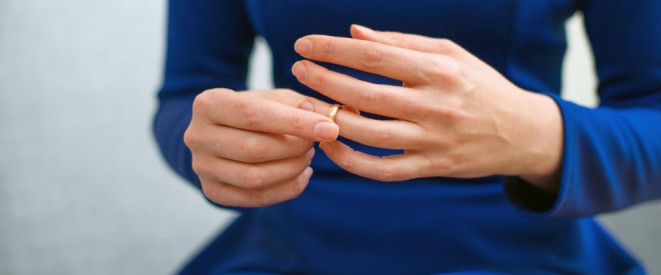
(344, 224)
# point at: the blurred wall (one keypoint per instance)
(82, 187)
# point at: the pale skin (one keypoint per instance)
(454, 116)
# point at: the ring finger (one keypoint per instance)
(388, 134)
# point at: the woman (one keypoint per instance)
(471, 99)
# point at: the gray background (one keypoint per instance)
(82, 187)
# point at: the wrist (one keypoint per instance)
(540, 141)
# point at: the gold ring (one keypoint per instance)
(333, 111)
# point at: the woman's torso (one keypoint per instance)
(343, 224)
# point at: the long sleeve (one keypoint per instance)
(612, 154)
(208, 46)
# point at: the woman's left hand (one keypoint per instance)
(455, 115)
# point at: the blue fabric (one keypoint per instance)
(343, 224)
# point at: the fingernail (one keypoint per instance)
(299, 70)
(308, 172)
(310, 153)
(306, 105)
(328, 149)
(363, 29)
(326, 131)
(303, 46)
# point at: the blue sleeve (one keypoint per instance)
(208, 46)
(612, 154)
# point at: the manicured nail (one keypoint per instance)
(306, 105)
(326, 131)
(303, 46)
(299, 70)
(363, 29)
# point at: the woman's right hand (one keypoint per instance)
(253, 149)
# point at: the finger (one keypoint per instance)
(404, 40)
(233, 196)
(386, 100)
(398, 63)
(250, 112)
(251, 176)
(390, 168)
(249, 146)
(388, 134)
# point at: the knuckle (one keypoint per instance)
(209, 97)
(443, 68)
(453, 67)
(427, 167)
(191, 137)
(454, 118)
(419, 137)
(397, 37)
(447, 46)
(347, 162)
(208, 100)
(258, 198)
(311, 100)
(443, 111)
(249, 113)
(203, 101)
(253, 149)
(197, 164)
(455, 113)
(382, 137)
(373, 57)
(444, 165)
(445, 43)
(369, 97)
(297, 121)
(253, 178)
(386, 174)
